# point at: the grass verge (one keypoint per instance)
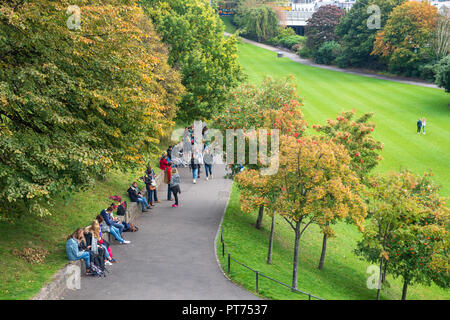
(344, 276)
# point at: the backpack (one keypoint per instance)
(121, 209)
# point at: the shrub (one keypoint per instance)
(428, 72)
(305, 52)
(327, 53)
(442, 70)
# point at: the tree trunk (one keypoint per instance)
(269, 256)
(379, 279)
(405, 289)
(383, 279)
(324, 251)
(296, 245)
(260, 217)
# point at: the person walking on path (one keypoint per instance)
(167, 176)
(424, 123)
(208, 159)
(194, 167)
(175, 185)
(419, 125)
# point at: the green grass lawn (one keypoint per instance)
(343, 277)
(396, 108)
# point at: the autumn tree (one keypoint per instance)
(418, 250)
(317, 186)
(207, 60)
(406, 229)
(76, 103)
(357, 30)
(356, 136)
(320, 27)
(262, 191)
(405, 40)
(257, 107)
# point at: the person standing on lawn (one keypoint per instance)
(424, 123)
(419, 125)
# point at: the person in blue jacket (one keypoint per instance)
(106, 215)
(72, 248)
(419, 125)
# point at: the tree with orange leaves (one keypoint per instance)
(405, 40)
(317, 186)
(356, 136)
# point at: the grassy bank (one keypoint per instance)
(344, 275)
(22, 279)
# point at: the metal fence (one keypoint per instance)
(257, 273)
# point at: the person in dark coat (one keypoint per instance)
(419, 125)
(136, 196)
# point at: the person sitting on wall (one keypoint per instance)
(136, 196)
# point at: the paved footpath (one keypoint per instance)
(295, 57)
(172, 255)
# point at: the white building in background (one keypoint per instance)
(313, 5)
(302, 10)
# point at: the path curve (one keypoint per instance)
(295, 57)
(172, 256)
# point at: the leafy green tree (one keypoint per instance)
(356, 36)
(208, 60)
(407, 229)
(418, 251)
(257, 21)
(320, 27)
(74, 104)
(442, 70)
(327, 53)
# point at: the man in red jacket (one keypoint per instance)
(167, 176)
(163, 162)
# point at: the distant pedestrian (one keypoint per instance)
(208, 159)
(194, 167)
(175, 185)
(424, 123)
(419, 125)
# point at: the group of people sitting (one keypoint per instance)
(88, 243)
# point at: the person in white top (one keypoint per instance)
(424, 122)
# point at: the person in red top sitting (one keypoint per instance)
(163, 163)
